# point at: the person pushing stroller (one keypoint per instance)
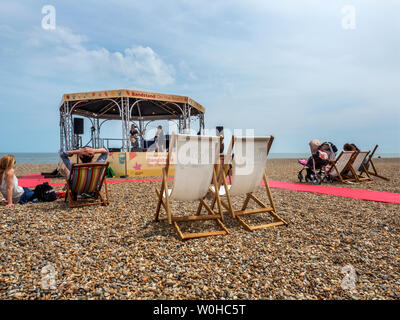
(321, 155)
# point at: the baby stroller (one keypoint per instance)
(316, 165)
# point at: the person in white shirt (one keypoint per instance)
(9, 187)
(160, 140)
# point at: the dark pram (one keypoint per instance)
(316, 165)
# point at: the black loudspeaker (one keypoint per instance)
(220, 132)
(78, 125)
(167, 137)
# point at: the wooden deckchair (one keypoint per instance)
(248, 170)
(195, 158)
(87, 178)
(357, 167)
(370, 163)
(340, 166)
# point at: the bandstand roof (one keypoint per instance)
(143, 105)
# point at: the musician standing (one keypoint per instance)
(160, 140)
(134, 134)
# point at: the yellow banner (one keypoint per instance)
(140, 164)
(117, 162)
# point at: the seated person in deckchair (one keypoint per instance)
(353, 147)
(350, 147)
(85, 154)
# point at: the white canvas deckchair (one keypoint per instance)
(357, 167)
(341, 165)
(195, 158)
(248, 171)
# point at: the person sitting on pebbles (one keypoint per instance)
(9, 187)
(85, 154)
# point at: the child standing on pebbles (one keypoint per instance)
(9, 183)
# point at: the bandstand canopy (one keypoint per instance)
(142, 105)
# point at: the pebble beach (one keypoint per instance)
(120, 252)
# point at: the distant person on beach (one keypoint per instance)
(160, 140)
(86, 155)
(9, 183)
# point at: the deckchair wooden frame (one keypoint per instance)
(369, 161)
(98, 196)
(357, 175)
(348, 167)
(164, 202)
(238, 214)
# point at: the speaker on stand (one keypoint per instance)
(220, 132)
(78, 130)
(78, 125)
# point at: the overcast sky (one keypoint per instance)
(295, 69)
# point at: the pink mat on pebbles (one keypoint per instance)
(370, 195)
(378, 196)
(32, 180)
(115, 181)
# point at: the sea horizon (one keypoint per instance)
(52, 157)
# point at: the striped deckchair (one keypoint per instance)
(87, 178)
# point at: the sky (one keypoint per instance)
(296, 69)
